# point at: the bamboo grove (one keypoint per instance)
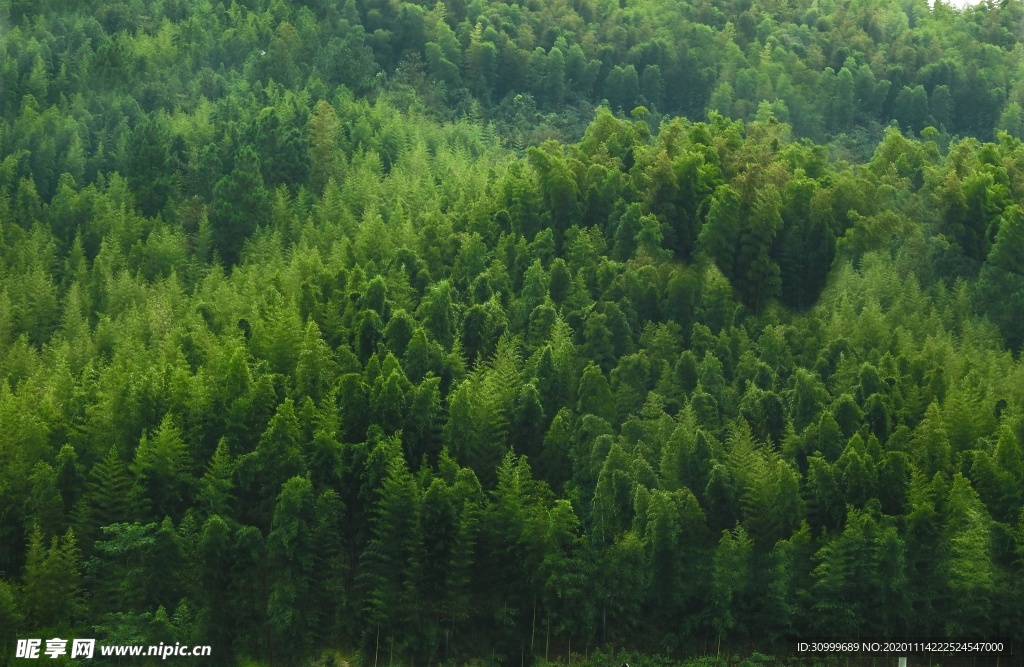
(502, 330)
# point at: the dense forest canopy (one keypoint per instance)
(497, 330)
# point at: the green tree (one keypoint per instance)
(1011, 120)
(44, 507)
(388, 404)
(481, 65)
(613, 497)
(282, 149)
(843, 563)
(652, 86)
(940, 104)
(276, 459)
(720, 232)
(51, 596)
(622, 87)
(930, 446)
(324, 127)
(554, 77)
(438, 314)
(731, 576)
(108, 497)
(392, 556)
(595, 395)
(291, 613)
(674, 586)
(161, 468)
(216, 487)
(911, 108)
(1001, 283)
(151, 166)
(843, 105)
(760, 278)
(10, 618)
(967, 564)
(241, 205)
(316, 371)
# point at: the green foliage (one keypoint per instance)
(358, 325)
(51, 596)
(1001, 283)
(241, 205)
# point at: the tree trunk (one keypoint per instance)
(547, 641)
(533, 625)
(604, 621)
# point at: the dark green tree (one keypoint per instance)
(241, 205)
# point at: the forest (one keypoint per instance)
(510, 331)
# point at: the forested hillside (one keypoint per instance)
(489, 332)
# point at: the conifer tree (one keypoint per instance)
(276, 459)
(392, 556)
(108, 497)
(216, 488)
(241, 205)
(731, 578)
(291, 614)
(161, 468)
(1001, 283)
(967, 562)
(595, 395)
(45, 506)
(51, 597)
